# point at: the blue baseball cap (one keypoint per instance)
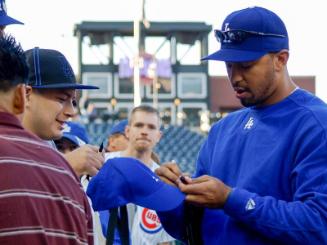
(5, 19)
(119, 128)
(249, 34)
(49, 69)
(76, 133)
(125, 180)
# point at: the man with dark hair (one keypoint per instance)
(261, 174)
(41, 200)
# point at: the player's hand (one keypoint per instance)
(169, 172)
(85, 160)
(205, 191)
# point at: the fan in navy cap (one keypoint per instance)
(260, 176)
(49, 69)
(51, 102)
(5, 19)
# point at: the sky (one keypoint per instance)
(50, 24)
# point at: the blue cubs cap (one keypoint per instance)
(119, 128)
(49, 69)
(76, 133)
(5, 19)
(125, 180)
(248, 34)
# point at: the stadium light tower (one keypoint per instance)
(139, 18)
(137, 86)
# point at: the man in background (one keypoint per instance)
(143, 133)
(41, 200)
(117, 140)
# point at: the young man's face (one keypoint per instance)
(47, 111)
(143, 132)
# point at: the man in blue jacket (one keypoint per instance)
(261, 174)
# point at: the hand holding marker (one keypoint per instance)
(100, 150)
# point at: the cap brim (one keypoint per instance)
(166, 198)
(65, 86)
(7, 20)
(71, 138)
(234, 55)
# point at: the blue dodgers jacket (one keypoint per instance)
(275, 159)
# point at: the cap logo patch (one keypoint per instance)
(226, 27)
(66, 68)
(67, 128)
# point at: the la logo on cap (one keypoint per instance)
(226, 27)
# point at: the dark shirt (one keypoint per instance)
(41, 199)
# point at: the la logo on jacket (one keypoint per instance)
(150, 222)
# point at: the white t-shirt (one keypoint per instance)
(146, 226)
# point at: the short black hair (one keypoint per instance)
(13, 66)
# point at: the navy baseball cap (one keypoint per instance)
(125, 180)
(49, 69)
(76, 133)
(119, 128)
(5, 19)
(248, 34)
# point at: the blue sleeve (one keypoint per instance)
(302, 220)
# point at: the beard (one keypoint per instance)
(262, 93)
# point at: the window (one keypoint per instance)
(124, 87)
(101, 79)
(95, 52)
(167, 113)
(189, 114)
(165, 88)
(189, 53)
(192, 85)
